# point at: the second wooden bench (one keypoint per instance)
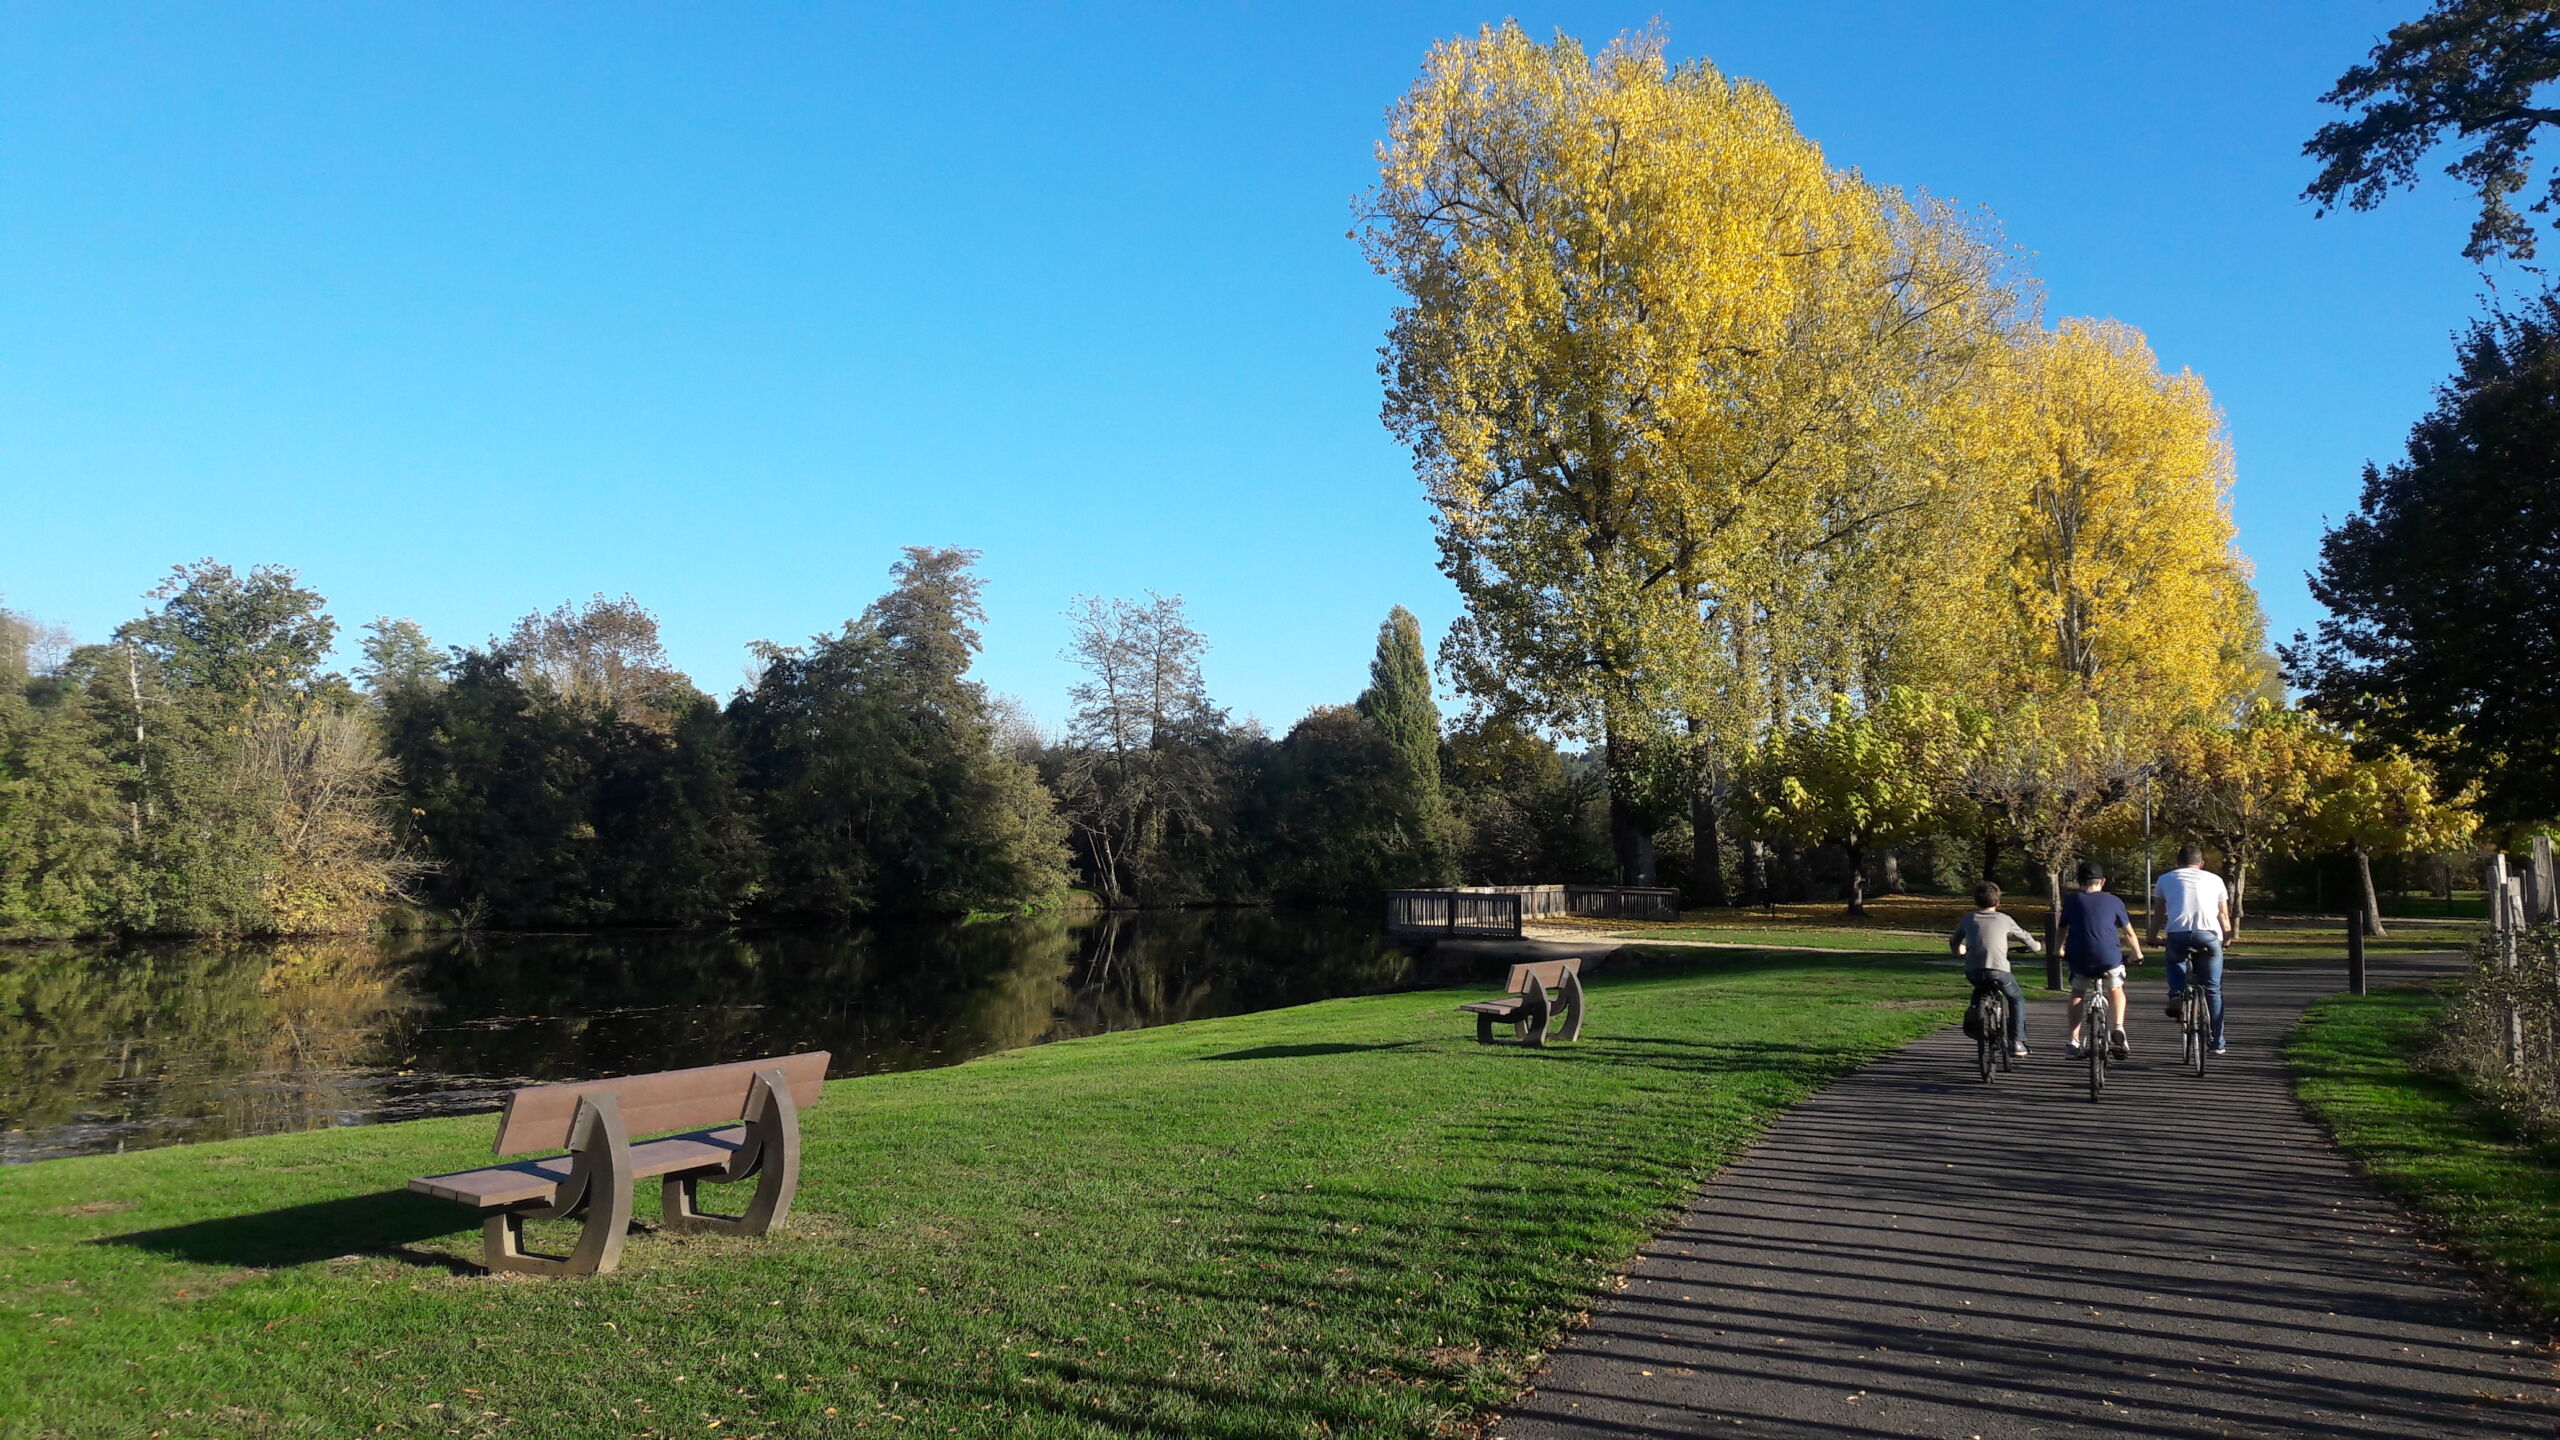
(1528, 1009)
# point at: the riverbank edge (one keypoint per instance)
(2478, 1184)
(1514, 1235)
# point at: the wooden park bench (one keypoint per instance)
(1528, 1009)
(739, 1120)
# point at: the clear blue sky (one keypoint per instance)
(463, 310)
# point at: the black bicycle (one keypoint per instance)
(2195, 1017)
(1991, 1017)
(2096, 1037)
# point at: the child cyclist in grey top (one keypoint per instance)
(1982, 941)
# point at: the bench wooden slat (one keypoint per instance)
(531, 1180)
(1549, 973)
(1492, 1007)
(539, 1118)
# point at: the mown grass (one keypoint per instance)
(1345, 1218)
(2489, 1190)
(1807, 937)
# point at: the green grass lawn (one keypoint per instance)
(2491, 1192)
(1345, 1218)
(1814, 937)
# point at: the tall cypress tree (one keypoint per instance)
(1398, 702)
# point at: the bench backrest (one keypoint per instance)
(1549, 973)
(539, 1118)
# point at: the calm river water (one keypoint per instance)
(105, 1050)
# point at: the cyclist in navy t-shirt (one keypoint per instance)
(2092, 920)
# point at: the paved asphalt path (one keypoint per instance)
(1914, 1253)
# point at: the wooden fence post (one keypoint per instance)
(2511, 924)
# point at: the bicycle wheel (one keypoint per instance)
(2187, 1033)
(2199, 1022)
(1983, 1054)
(2097, 1049)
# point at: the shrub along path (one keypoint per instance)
(1912, 1253)
(1346, 1218)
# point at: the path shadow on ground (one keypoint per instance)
(387, 1224)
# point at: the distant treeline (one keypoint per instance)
(202, 773)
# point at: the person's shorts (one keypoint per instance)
(2083, 986)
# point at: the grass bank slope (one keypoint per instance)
(2490, 1191)
(1345, 1218)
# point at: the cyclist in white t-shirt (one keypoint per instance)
(2198, 919)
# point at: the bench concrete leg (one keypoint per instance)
(1534, 1016)
(771, 1154)
(1572, 1007)
(599, 1183)
(1484, 1029)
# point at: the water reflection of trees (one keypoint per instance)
(100, 1050)
(165, 1043)
(1154, 969)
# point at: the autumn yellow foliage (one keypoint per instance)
(1679, 389)
(2123, 580)
(1717, 431)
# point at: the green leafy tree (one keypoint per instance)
(568, 776)
(1336, 811)
(254, 795)
(880, 771)
(1147, 776)
(2443, 588)
(2046, 770)
(1528, 815)
(493, 790)
(2250, 790)
(224, 635)
(1399, 705)
(62, 821)
(1859, 777)
(2390, 802)
(398, 657)
(2473, 71)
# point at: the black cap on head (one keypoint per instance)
(2090, 874)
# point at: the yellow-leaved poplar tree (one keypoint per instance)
(2123, 582)
(1662, 368)
(2118, 606)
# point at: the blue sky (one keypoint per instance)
(465, 310)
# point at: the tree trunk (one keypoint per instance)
(1755, 863)
(1706, 849)
(2372, 903)
(2053, 927)
(1893, 874)
(1991, 853)
(1857, 878)
(1630, 839)
(2239, 894)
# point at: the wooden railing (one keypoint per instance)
(1497, 911)
(1621, 902)
(1476, 914)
